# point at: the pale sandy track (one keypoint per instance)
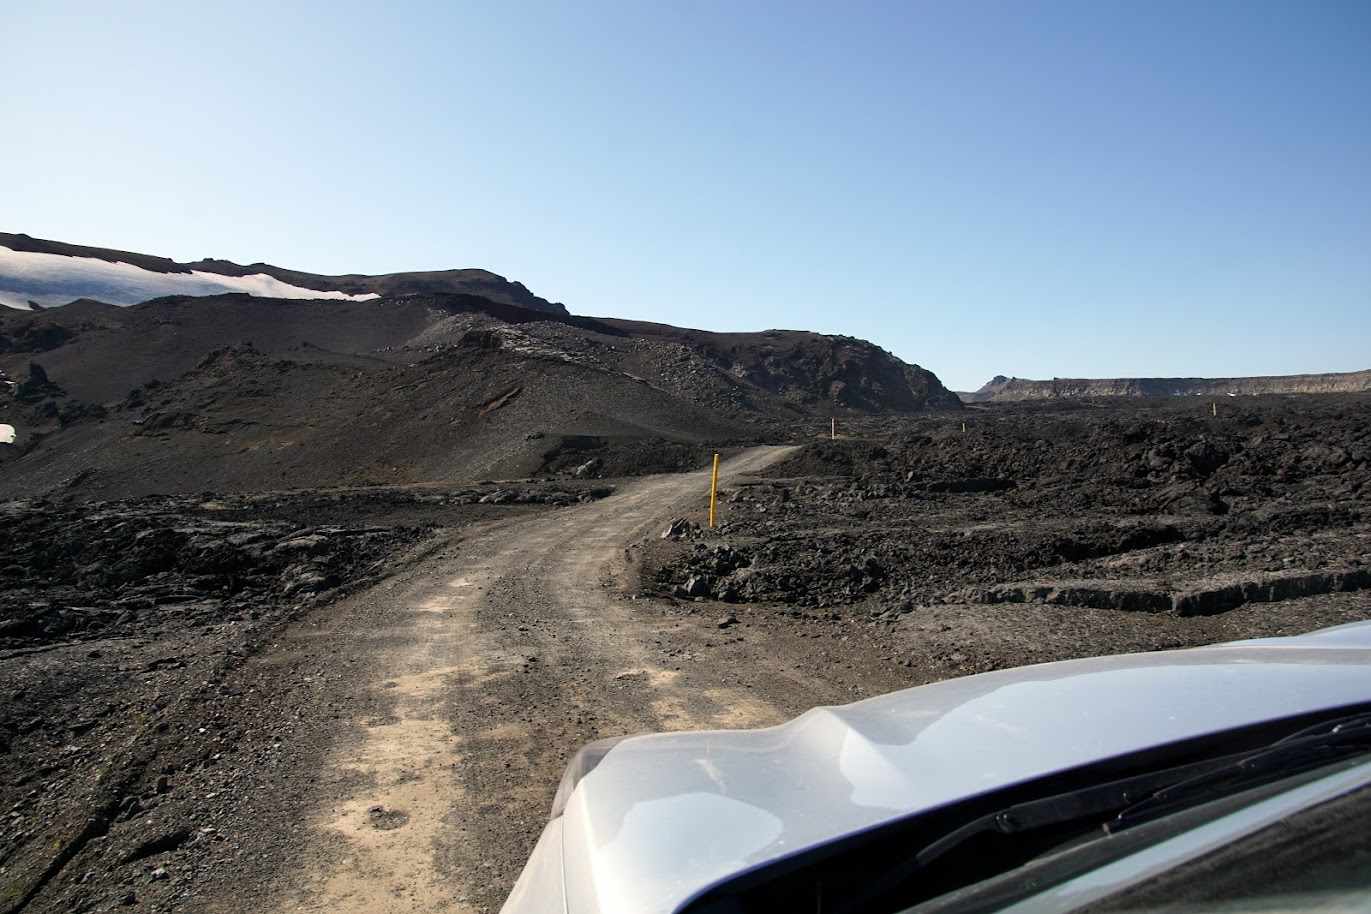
(497, 660)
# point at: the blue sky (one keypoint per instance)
(1074, 189)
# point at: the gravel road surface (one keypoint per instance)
(488, 666)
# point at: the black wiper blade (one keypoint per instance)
(1307, 749)
(1087, 803)
(1088, 808)
(1113, 806)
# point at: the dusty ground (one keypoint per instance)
(391, 742)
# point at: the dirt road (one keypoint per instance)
(224, 736)
(493, 661)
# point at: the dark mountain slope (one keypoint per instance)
(816, 371)
(99, 352)
(244, 421)
(236, 393)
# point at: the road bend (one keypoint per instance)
(493, 662)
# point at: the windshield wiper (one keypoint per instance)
(1035, 826)
(1302, 751)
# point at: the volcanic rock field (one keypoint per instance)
(228, 520)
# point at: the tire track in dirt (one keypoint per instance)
(496, 662)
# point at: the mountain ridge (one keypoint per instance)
(1001, 388)
(471, 281)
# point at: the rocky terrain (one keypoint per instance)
(1107, 512)
(306, 604)
(124, 628)
(1000, 388)
(164, 723)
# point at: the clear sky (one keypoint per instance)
(1036, 188)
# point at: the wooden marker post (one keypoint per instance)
(713, 490)
(833, 430)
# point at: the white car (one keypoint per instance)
(1234, 773)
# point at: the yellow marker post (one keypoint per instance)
(713, 490)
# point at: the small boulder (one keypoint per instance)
(680, 528)
(695, 586)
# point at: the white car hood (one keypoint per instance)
(663, 817)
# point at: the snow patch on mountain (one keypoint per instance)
(6, 434)
(54, 279)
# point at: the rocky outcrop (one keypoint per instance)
(1001, 388)
(837, 371)
(1198, 598)
(822, 373)
(37, 336)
